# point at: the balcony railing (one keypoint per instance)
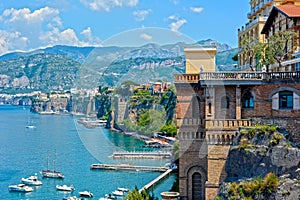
(226, 124)
(195, 78)
(191, 121)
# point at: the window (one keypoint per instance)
(285, 100)
(248, 100)
(297, 66)
(225, 102)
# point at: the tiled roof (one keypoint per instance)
(289, 10)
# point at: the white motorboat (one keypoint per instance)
(71, 198)
(65, 188)
(31, 180)
(123, 189)
(30, 126)
(118, 193)
(86, 194)
(109, 196)
(20, 188)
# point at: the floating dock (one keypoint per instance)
(141, 155)
(128, 167)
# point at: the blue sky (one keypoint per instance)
(31, 24)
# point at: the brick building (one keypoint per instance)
(211, 106)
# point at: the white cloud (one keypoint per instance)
(140, 15)
(196, 9)
(175, 26)
(107, 5)
(89, 38)
(24, 29)
(173, 17)
(12, 41)
(175, 1)
(177, 23)
(146, 36)
(55, 36)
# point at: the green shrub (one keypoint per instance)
(276, 137)
(251, 132)
(270, 183)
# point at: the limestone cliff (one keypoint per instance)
(256, 153)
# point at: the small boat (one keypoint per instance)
(20, 188)
(52, 173)
(71, 198)
(31, 180)
(110, 196)
(30, 126)
(123, 189)
(118, 193)
(65, 188)
(86, 194)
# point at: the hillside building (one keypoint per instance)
(257, 17)
(285, 17)
(212, 106)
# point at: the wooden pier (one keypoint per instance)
(141, 155)
(157, 180)
(128, 167)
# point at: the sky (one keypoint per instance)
(30, 24)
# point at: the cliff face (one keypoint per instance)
(257, 152)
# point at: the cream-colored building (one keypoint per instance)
(258, 15)
(200, 59)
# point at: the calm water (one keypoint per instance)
(23, 152)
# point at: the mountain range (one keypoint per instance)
(66, 67)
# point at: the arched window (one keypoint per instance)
(196, 107)
(209, 108)
(225, 102)
(286, 100)
(248, 100)
(197, 186)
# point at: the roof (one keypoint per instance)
(289, 10)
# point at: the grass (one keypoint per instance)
(258, 129)
(251, 189)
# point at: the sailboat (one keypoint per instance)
(51, 173)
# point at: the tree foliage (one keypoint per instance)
(277, 49)
(280, 46)
(136, 195)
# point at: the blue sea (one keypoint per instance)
(24, 152)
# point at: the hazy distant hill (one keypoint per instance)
(64, 67)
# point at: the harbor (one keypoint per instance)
(25, 151)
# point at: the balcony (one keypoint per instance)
(191, 121)
(215, 124)
(227, 124)
(235, 76)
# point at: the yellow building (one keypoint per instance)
(200, 59)
(258, 15)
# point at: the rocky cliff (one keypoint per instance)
(262, 164)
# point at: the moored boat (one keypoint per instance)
(20, 188)
(118, 193)
(32, 181)
(52, 173)
(71, 198)
(123, 189)
(30, 126)
(65, 188)
(86, 194)
(110, 196)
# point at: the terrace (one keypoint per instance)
(236, 76)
